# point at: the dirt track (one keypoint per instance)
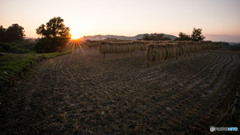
(79, 94)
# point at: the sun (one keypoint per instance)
(75, 37)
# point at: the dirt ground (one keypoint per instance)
(83, 93)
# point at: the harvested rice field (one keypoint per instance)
(83, 93)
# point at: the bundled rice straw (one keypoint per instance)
(93, 43)
(198, 46)
(116, 47)
(205, 45)
(180, 49)
(183, 47)
(158, 51)
(216, 45)
(166, 50)
(140, 45)
(172, 50)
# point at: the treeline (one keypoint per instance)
(155, 37)
(24, 46)
(12, 33)
(54, 36)
(226, 46)
(12, 40)
(195, 36)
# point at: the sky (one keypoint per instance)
(218, 19)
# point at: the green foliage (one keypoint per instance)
(2, 34)
(14, 33)
(44, 44)
(183, 37)
(54, 36)
(13, 66)
(155, 37)
(17, 47)
(197, 35)
(146, 37)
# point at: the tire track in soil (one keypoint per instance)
(21, 106)
(168, 85)
(200, 125)
(113, 93)
(134, 78)
(199, 101)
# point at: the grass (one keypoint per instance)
(13, 66)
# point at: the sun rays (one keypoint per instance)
(76, 43)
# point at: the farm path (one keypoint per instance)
(83, 93)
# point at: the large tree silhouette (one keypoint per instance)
(14, 33)
(2, 34)
(183, 37)
(155, 36)
(54, 35)
(197, 35)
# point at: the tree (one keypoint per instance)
(155, 36)
(54, 35)
(2, 34)
(146, 37)
(196, 35)
(14, 33)
(183, 37)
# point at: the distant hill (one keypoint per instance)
(227, 46)
(102, 37)
(233, 43)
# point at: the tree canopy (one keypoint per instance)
(12, 34)
(155, 37)
(183, 37)
(2, 34)
(196, 36)
(54, 35)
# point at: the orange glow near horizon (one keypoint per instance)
(77, 30)
(107, 17)
(76, 43)
(75, 37)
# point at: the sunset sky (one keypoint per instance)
(219, 19)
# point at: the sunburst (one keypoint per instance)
(76, 43)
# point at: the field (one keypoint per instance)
(13, 66)
(83, 93)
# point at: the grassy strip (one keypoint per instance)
(13, 66)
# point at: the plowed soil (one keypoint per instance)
(83, 93)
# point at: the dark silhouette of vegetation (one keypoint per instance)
(14, 33)
(24, 46)
(196, 36)
(12, 40)
(183, 37)
(2, 34)
(155, 37)
(54, 36)
(226, 46)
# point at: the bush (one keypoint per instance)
(44, 44)
(55, 36)
(16, 47)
